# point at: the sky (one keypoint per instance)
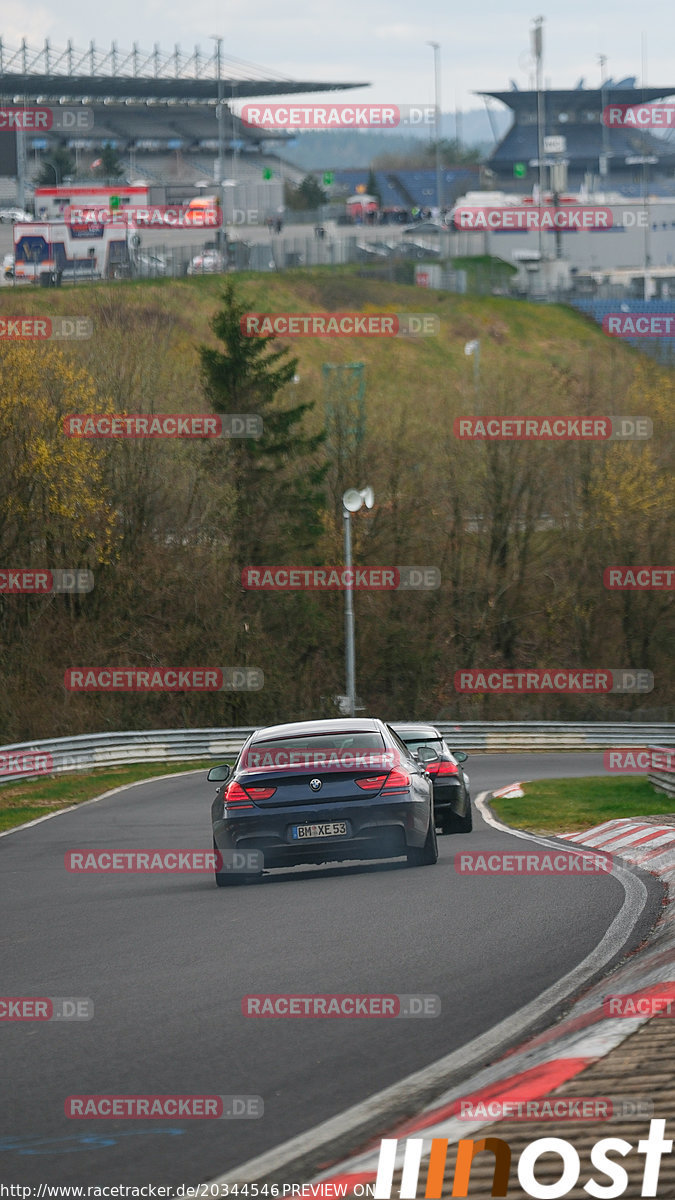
(382, 42)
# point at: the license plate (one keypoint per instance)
(325, 829)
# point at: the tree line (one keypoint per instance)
(521, 532)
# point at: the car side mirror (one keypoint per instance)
(459, 756)
(426, 754)
(219, 774)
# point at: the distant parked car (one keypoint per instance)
(150, 264)
(14, 216)
(426, 227)
(417, 252)
(207, 263)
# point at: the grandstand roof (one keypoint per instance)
(50, 74)
(577, 98)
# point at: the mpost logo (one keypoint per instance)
(72, 120)
(639, 116)
(340, 1004)
(163, 679)
(534, 862)
(639, 579)
(551, 429)
(154, 862)
(46, 1008)
(44, 329)
(157, 216)
(336, 116)
(16, 581)
(314, 579)
(639, 325)
(638, 760)
(653, 1148)
(339, 324)
(564, 681)
(156, 1107)
(162, 425)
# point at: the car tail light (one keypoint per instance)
(260, 793)
(397, 781)
(443, 768)
(372, 783)
(234, 797)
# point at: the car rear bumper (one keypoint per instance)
(385, 829)
(450, 798)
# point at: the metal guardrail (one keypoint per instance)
(662, 779)
(499, 737)
(25, 760)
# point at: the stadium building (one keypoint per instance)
(160, 113)
(614, 159)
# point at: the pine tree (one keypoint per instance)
(277, 478)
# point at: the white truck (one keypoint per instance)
(46, 252)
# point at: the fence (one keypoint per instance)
(254, 249)
(661, 779)
(25, 760)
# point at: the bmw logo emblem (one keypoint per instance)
(315, 784)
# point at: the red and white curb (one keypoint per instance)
(512, 792)
(543, 1063)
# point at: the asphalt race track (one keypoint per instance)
(167, 960)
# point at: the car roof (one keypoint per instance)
(309, 728)
(418, 730)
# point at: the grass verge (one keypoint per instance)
(27, 799)
(570, 805)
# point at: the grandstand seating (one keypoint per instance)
(663, 349)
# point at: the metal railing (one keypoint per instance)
(26, 760)
(662, 779)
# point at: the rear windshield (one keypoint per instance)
(366, 740)
(414, 743)
(359, 748)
